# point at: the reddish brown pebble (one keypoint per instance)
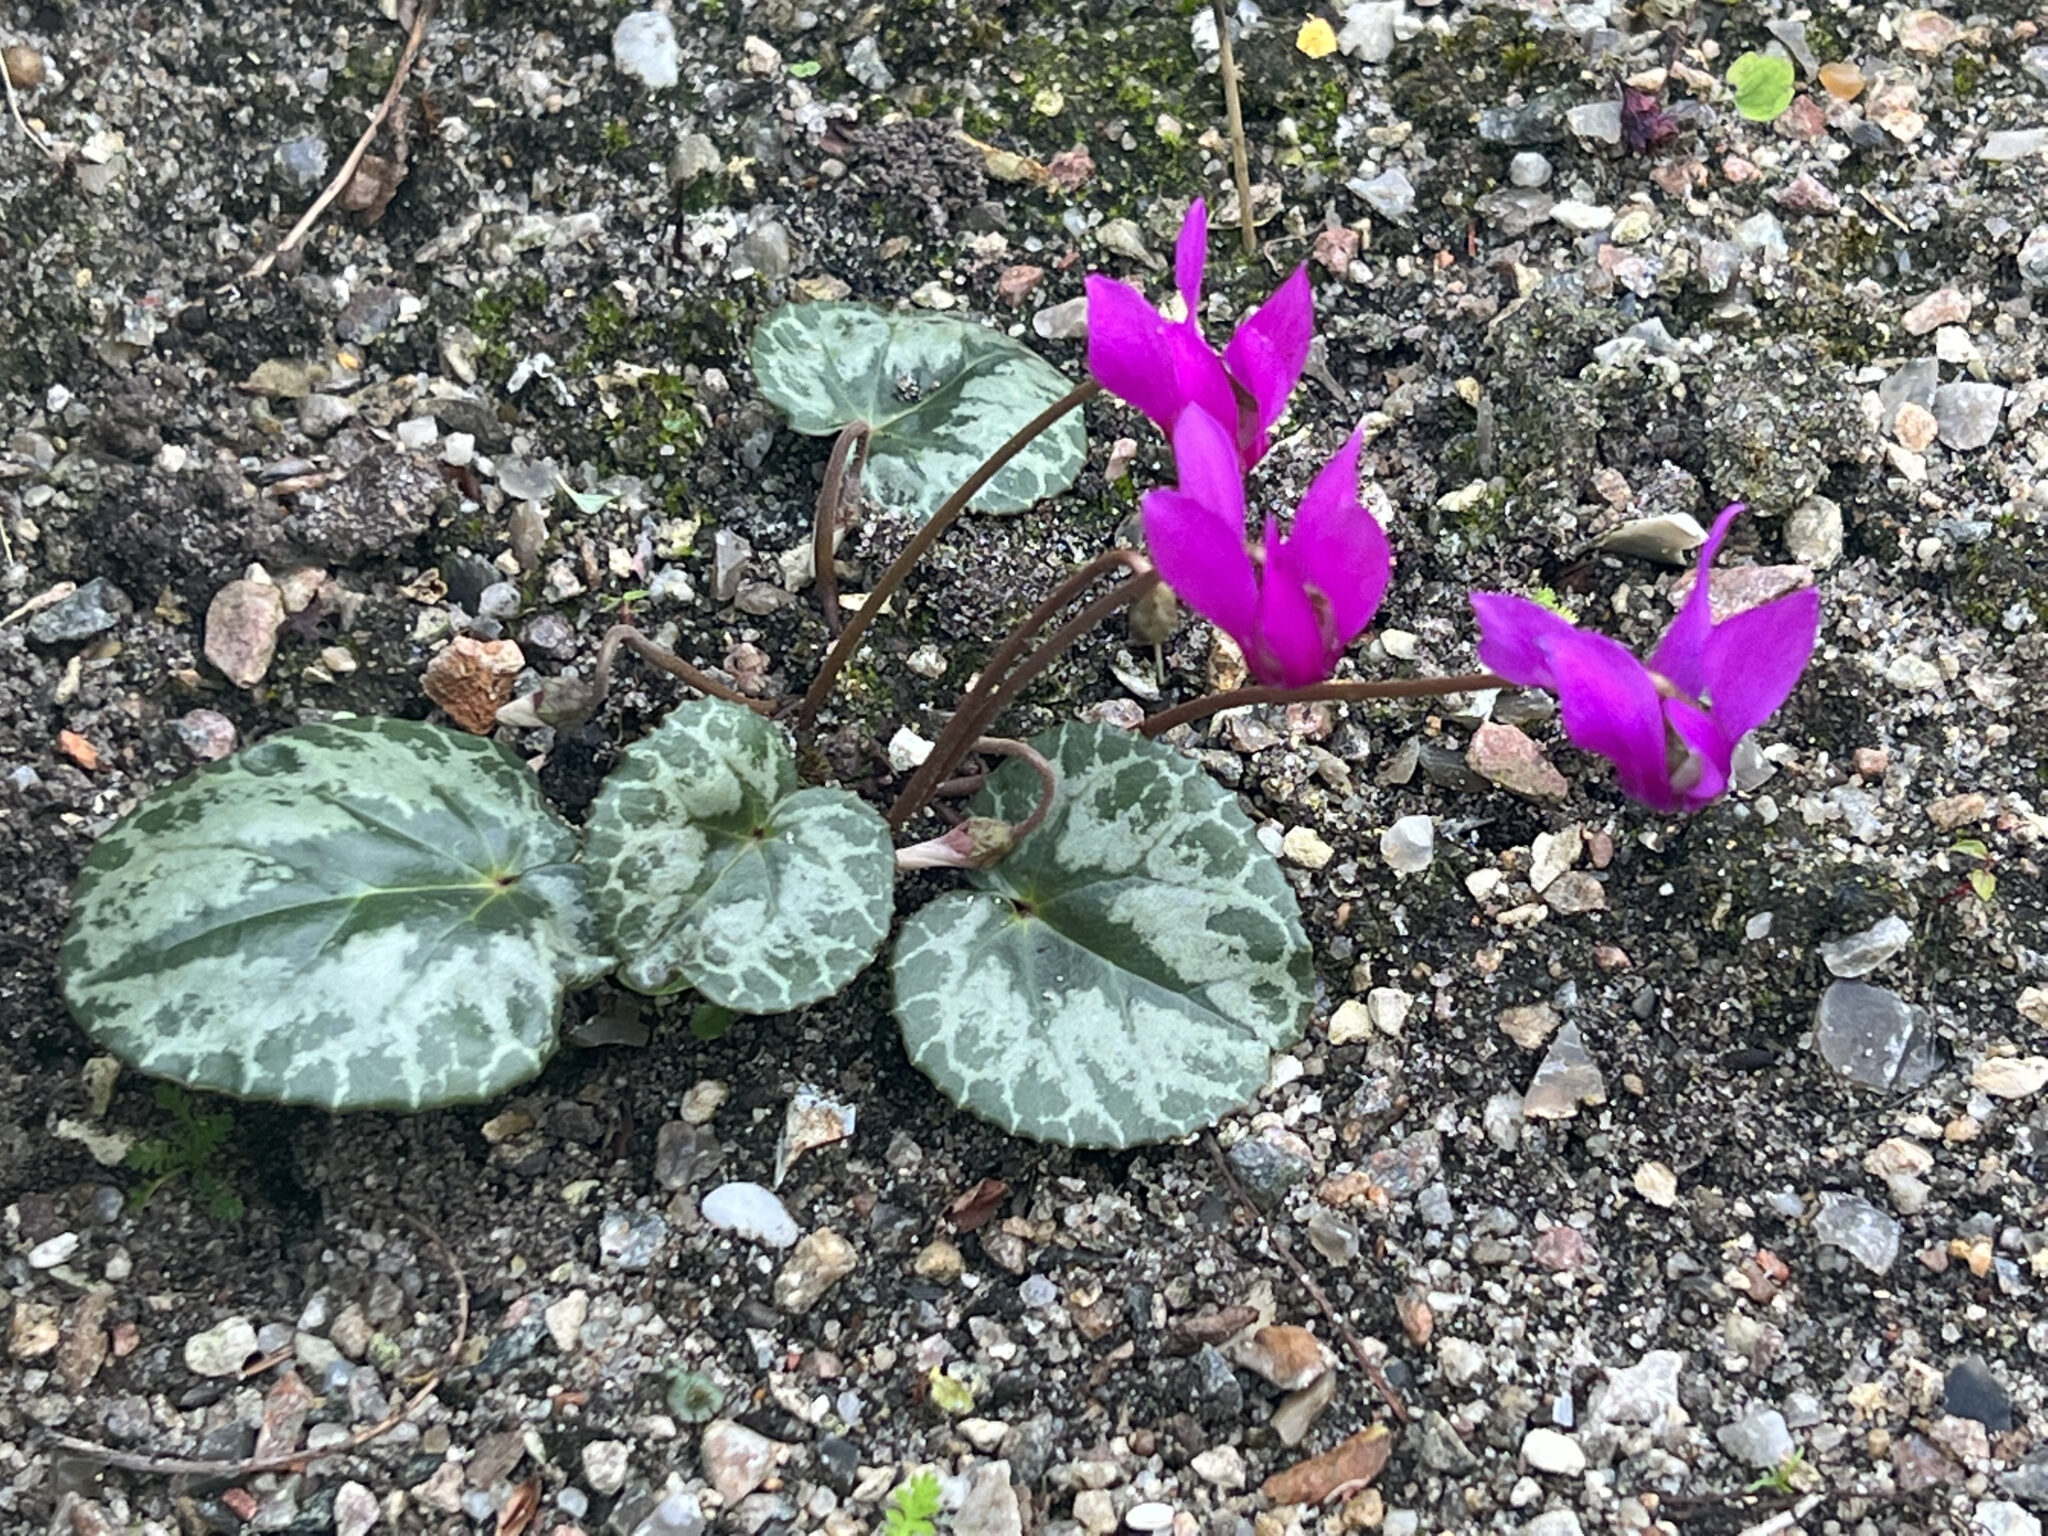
(1014, 284)
(1502, 755)
(1871, 762)
(472, 680)
(1562, 1250)
(1418, 1321)
(1335, 250)
(25, 67)
(1288, 1357)
(1348, 1468)
(79, 750)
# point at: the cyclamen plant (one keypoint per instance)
(380, 913)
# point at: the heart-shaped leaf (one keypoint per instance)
(939, 396)
(711, 869)
(1127, 973)
(360, 914)
(1762, 83)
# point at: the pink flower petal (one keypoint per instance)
(1190, 256)
(1268, 351)
(1681, 654)
(1753, 661)
(1702, 770)
(1512, 633)
(1611, 707)
(1203, 558)
(1290, 648)
(1205, 458)
(1339, 547)
(1129, 351)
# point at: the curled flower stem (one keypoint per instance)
(669, 662)
(1240, 161)
(838, 500)
(1048, 778)
(993, 689)
(1334, 693)
(899, 568)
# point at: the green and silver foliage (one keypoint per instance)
(360, 914)
(1127, 973)
(940, 396)
(711, 869)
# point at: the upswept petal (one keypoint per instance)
(1610, 707)
(1753, 660)
(1190, 256)
(1710, 749)
(1512, 632)
(1205, 456)
(1339, 546)
(1130, 351)
(1681, 654)
(1268, 351)
(1202, 557)
(1290, 649)
(1198, 379)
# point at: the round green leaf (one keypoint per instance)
(710, 869)
(939, 396)
(1762, 83)
(1127, 973)
(360, 914)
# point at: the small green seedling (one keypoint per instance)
(1788, 1476)
(913, 1508)
(186, 1150)
(1762, 84)
(1981, 880)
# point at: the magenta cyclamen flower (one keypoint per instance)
(1670, 728)
(1163, 366)
(1294, 609)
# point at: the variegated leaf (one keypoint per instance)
(1127, 973)
(711, 869)
(939, 394)
(359, 914)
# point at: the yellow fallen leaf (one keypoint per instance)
(1316, 38)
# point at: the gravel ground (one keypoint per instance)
(1665, 1175)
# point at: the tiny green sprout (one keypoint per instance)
(615, 138)
(1788, 1476)
(693, 1397)
(1762, 84)
(710, 1022)
(186, 1150)
(913, 1508)
(803, 69)
(1981, 880)
(1547, 597)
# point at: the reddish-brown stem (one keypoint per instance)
(1333, 693)
(975, 713)
(899, 568)
(669, 662)
(838, 500)
(1048, 778)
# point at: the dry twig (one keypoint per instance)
(1278, 1241)
(1240, 160)
(336, 187)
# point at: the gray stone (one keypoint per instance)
(2009, 144)
(92, 610)
(355, 1510)
(989, 1506)
(1540, 121)
(2033, 257)
(1813, 533)
(765, 251)
(1553, 1522)
(1549, 1450)
(221, 1349)
(736, 1459)
(752, 1212)
(864, 63)
(1861, 953)
(820, 1261)
(1390, 194)
(1997, 1517)
(1439, 1446)
(1368, 30)
(1762, 235)
(631, 1240)
(684, 1153)
(1567, 1078)
(1859, 1229)
(1644, 1393)
(696, 156)
(1409, 845)
(1913, 383)
(644, 46)
(729, 556)
(1514, 211)
(1528, 169)
(303, 160)
(1599, 120)
(1968, 413)
(1867, 1033)
(1267, 1170)
(605, 1463)
(1758, 1439)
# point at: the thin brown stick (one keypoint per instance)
(838, 500)
(234, 1471)
(50, 151)
(1048, 778)
(899, 568)
(674, 665)
(916, 796)
(335, 187)
(1333, 693)
(1240, 159)
(1277, 1241)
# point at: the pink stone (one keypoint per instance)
(1944, 306)
(1807, 195)
(1503, 755)
(1014, 286)
(1335, 250)
(241, 630)
(1804, 120)
(1739, 588)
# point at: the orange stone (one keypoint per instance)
(472, 680)
(79, 750)
(1842, 80)
(1347, 1470)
